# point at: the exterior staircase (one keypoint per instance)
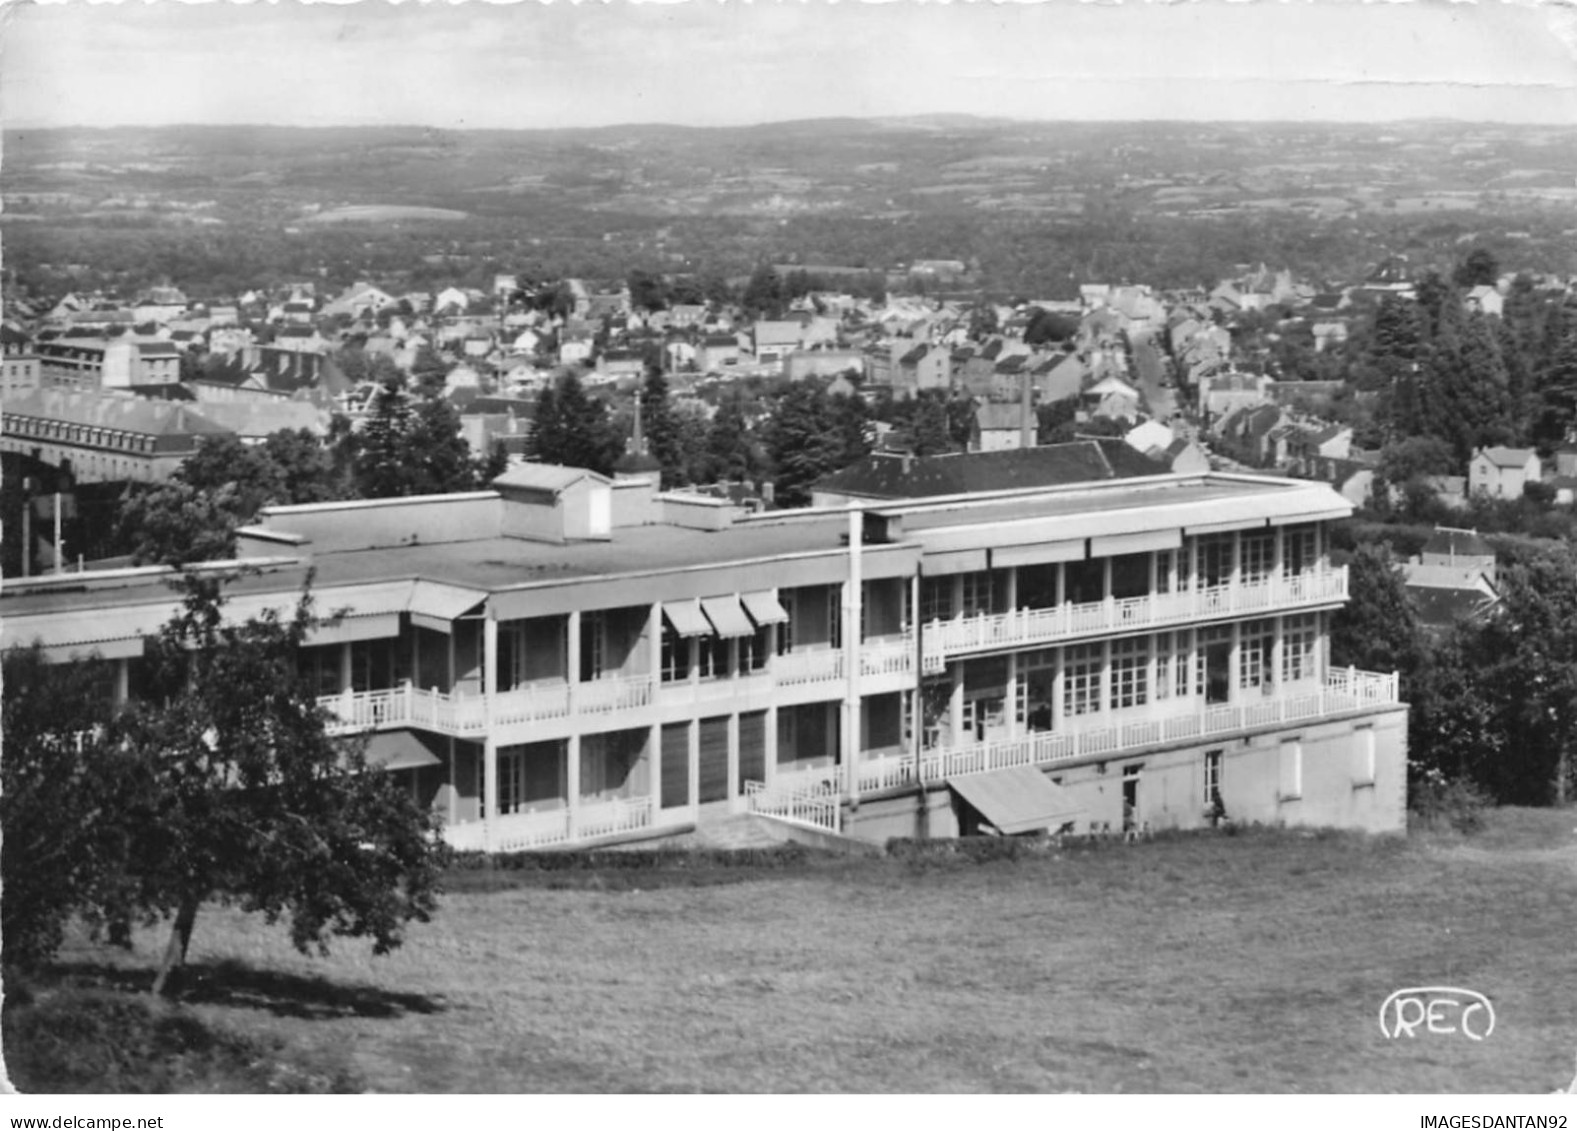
(737, 830)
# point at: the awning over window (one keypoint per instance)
(763, 608)
(686, 617)
(1136, 543)
(379, 626)
(1018, 800)
(726, 616)
(112, 633)
(399, 750)
(434, 605)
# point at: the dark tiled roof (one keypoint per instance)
(1083, 461)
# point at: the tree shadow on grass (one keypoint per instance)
(230, 982)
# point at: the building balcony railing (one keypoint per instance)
(519, 832)
(1342, 692)
(1019, 627)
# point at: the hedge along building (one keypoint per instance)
(570, 660)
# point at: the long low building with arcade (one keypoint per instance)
(569, 660)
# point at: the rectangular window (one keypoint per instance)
(1165, 562)
(676, 656)
(835, 616)
(984, 593)
(1298, 638)
(1254, 655)
(1037, 587)
(1084, 582)
(1130, 575)
(592, 635)
(1081, 681)
(1130, 673)
(713, 657)
(936, 598)
(753, 651)
(1291, 769)
(788, 600)
(1165, 660)
(1217, 554)
(1364, 755)
(1297, 549)
(1259, 553)
(1212, 778)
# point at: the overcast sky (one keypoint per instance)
(701, 63)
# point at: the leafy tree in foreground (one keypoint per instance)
(57, 781)
(233, 791)
(1377, 629)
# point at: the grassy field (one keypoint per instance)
(1213, 963)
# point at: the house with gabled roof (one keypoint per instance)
(1502, 473)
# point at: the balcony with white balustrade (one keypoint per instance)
(1309, 589)
(806, 795)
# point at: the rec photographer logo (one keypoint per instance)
(1443, 1011)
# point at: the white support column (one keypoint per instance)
(1276, 647)
(693, 733)
(1057, 678)
(1010, 589)
(654, 750)
(1236, 579)
(955, 705)
(654, 642)
(733, 760)
(489, 791)
(347, 676)
(769, 758)
(572, 782)
(1061, 583)
(1277, 554)
(1234, 664)
(122, 681)
(853, 606)
(572, 648)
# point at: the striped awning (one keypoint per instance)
(1018, 800)
(726, 616)
(686, 618)
(763, 607)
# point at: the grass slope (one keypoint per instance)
(1255, 962)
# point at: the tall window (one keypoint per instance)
(713, 657)
(786, 599)
(676, 656)
(984, 592)
(753, 651)
(1297, 549)
(1081, 680)
(1216, 556)
(1212, 776)
(1254, 645)
(592, 636)
(936, 599)
(1259, 553)
(1165, 659)
(1033, 688)
(1130, 673)
(1298, 638)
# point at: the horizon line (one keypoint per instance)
(8, 127)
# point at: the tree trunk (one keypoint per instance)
(180, 940)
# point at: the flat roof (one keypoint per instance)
(500, 564)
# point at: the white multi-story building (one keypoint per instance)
(572, 660)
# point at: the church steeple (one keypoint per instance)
(637, 461)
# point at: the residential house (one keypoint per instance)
(1452, 580)
(1002, 426)
(717, 353)
(773, 341)
(1502, 473)
(822, 363)
(1485, 299)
